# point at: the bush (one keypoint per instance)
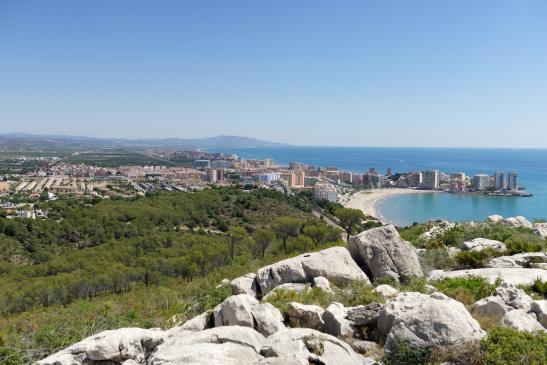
(506, 346)
(358, 293)
(437, 259)
(404, 354)
(281, 298)
(466, 290)
(475, 259)
(467, 353)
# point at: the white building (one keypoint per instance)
(480, 182)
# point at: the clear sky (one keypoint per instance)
(356, 73)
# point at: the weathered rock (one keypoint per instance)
(387, 291)
(268, 319)
(245, 284)
(114, 345)
(491, 307)
(517, 222)
(198, 323)
(245, 310)
(362, 346)
(235, 311)
(453, 251)
(335, 321)
(322, 283)
(334, 263)
(307, 346)
(515, 276)
(364, 315)
(231, 345)
(539, 307)
(479, 244)
(539, 265)
(307, 316)
(495, 218)
(382, 252)
(540, 229)
(523, 260)
(521, 321)
(426, 320)
(437, 230)
(514, 297)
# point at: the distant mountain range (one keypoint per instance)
(22, 141)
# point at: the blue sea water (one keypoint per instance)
(530, 164)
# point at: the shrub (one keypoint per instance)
(506, 346)
(415, 284)
(467, 353)
(404, 354)
(437, 258)
(475, 259)
(281, 298)
(466, 290)
(358, 293)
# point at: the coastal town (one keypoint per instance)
(53, 177)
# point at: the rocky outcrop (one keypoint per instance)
(540, 229)
(307, 316)
(479, 244)
(495, 218)
(365, 315)
(198, 323)
(335, 264)
(524, 260)
(323, 284)
(426, 320)
(517, 222)
(515, 276)
(336, 322)
(296, 287)
(539, 307)
(387, 291)
(382, 252)
(245, 284)
(306, 346)
(244, 310)
(511, 307)
(440, 228)
(114, 345)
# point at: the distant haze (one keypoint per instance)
(457, 73)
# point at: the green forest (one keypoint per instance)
(93, 265)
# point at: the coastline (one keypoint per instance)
(368, 200)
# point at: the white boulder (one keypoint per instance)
(245, 284)
(521, 321)
(495, 218)
(198, 323)
(479, 244)
(515, 276)
(382, 252)
(540, 229)
(422, 320)
(519, 260)
(387, 291)
(336, 322)
(539, 307)
(307, 316)
(322, 283)
(334, 263)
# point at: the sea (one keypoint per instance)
(403, 210)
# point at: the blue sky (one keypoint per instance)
(356, 73)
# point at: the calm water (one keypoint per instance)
(403, 210)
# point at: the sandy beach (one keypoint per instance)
(368, 200)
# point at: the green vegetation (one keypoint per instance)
(475, 259)
(505, 346)
(93, 265)
(349, 219)
(466, 290)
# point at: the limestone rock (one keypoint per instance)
(362, 346)
(113, 345)
(426, 320)
(521, 321)
(479, 244)
(539, 307)
(514, 297)
(382, 252)
(540, 229)
(268, 319)
(322, 283)
(334, 263)
(198, 323)
(308, 346)
(386, 290)
(437, 230)
(245, 284)
(365, 315)
(517, 222)
(495, 218)
(235, 311)
(231, 345)
(515, 276)
(307, 316)
(493, 307)
(336, 322)
(519, 260)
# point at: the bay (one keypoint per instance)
(530, 164)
